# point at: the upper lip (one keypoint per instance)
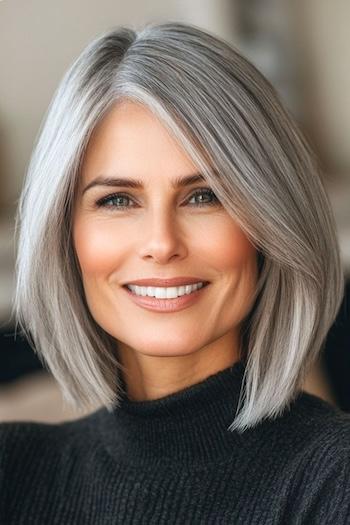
(175, 281)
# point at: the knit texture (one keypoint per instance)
(174, 461)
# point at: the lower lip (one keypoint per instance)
(166, 305)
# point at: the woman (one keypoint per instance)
(167, 167)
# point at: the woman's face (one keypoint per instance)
(159, 230)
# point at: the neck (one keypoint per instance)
(152, 376)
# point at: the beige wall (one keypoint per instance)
(324, 46)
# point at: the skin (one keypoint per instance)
(160, 232)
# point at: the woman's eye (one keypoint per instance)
(117, 200)
(205, 202)
(112, 201)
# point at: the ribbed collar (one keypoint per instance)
(188, 426)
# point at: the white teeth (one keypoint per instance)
(164, 293)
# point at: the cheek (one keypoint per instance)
(228, 247)
(97, 246)
(234, 256)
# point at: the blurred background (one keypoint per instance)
(301, 47)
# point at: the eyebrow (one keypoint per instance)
(178, 182)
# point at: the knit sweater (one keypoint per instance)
(173, 461)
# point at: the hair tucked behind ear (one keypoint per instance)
(229, 119)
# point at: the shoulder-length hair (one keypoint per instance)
(229, 119)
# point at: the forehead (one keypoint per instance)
(132, 140)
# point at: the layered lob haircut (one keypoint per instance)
(230, 121)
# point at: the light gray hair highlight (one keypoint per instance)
(229, 119)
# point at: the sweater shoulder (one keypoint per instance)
(312, 427)
(310, 432)
(323, 421)
(13, 433)
(319, 440)
(27, 443)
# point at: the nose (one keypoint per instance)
(162, 237)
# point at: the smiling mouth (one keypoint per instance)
(167, 304)
(189, 290)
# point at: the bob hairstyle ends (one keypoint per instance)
(229, 119)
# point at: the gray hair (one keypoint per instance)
(230, 121)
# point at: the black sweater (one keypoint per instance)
(173, 461)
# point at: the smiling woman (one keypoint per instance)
(164, 232)
(177, 263)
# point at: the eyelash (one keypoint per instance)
(103, 203)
